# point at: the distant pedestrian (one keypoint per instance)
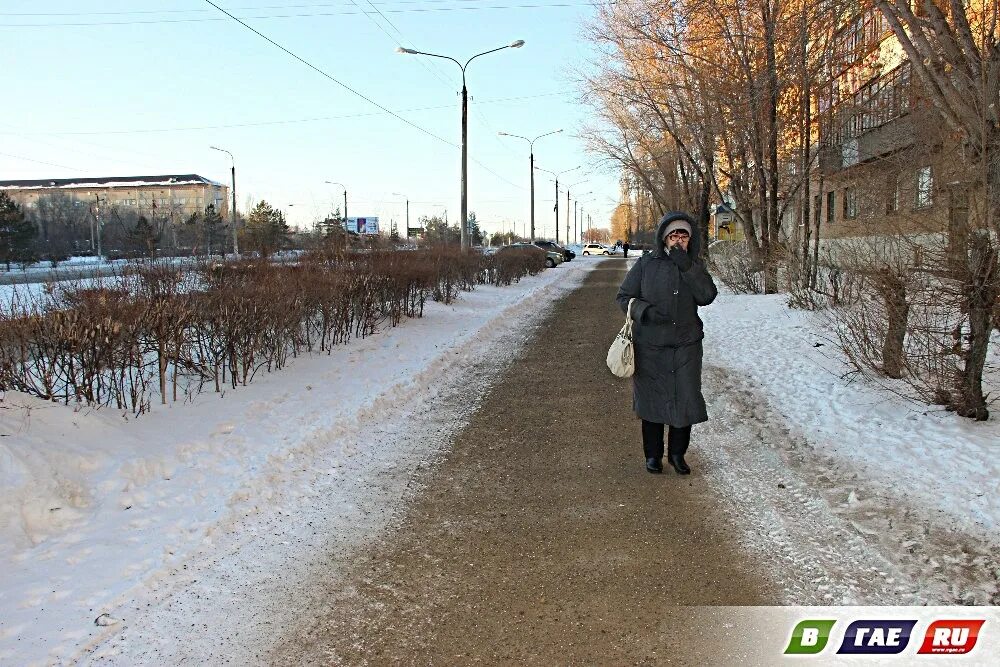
(625, 247)
(669, 284)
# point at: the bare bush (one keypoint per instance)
(733, 264)
(161, 331)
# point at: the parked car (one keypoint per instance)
(598, 249)
(552, 258)
(555, 247)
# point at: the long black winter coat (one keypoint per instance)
(667, 331)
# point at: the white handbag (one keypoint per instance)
(621, 357)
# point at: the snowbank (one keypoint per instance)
(99, 511)
(931, 457)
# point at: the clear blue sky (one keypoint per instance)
(146, 91)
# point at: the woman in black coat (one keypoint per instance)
(668, 285)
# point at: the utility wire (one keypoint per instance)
(371, 18)
(355, 92)
(51, 164)
(244, 8)
(399, 32)
(194, 128)
(299, 15)
(334, 79)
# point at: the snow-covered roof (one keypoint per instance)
(108, 182)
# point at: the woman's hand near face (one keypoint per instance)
(678, 239)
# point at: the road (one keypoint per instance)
(540, 538)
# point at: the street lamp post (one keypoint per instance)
(232, 214)
(100, 229)
(568, 188)
(557, 174)
(576, 201)
(531, 169)
(465, 126)
(399, 194)
(345, 196)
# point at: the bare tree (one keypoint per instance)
(953, 48)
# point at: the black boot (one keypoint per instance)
(677, 461)
(654, 465)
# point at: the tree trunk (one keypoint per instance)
(897, 312)
(805, 273)
(814, 269)
(772, 222)
(981, 294)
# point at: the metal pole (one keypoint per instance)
(557, 209)
(465, 164)
(345, 204)
(465, 126)
(576, 230)
(236, 238)
(407, 218)
(567, 215)
(97, 218)
(532, 167)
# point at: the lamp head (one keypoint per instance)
(402, 49)
(518, 44)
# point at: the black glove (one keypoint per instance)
(681, 258)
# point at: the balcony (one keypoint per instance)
(875, 121)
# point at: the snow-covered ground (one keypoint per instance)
(101, 514)
(116, 535)
(920, 485)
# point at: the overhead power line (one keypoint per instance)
(51, 164)
(288, 121)
(125, 12)
(347, 12)
(333, 78)
(355, 92)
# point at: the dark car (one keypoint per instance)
(553, 258)
(555, 247)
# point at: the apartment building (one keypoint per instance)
(883, 163)
(174, 196)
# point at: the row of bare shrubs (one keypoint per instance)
(900, 309)
(161, 331)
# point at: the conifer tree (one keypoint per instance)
(17, 233)
(266, 231)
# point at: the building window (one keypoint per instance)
(831, 205)
(850, 203)
(925, 188)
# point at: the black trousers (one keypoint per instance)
(678, 439)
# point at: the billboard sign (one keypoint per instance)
(362, 225)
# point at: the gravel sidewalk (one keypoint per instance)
(540, 538)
